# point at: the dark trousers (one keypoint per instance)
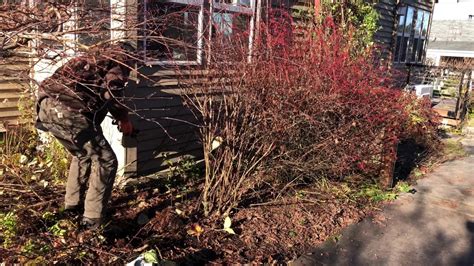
(94, 164)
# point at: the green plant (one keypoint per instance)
(57, 159)
(354, 14)
(48, 216)
(56, 230)
(26, 153)
(8, 227)
(60, 228)
(403, 187)
(30, 247)
(376, 194)
(187, 168)
(470, 122)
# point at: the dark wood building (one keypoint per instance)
(404, 27)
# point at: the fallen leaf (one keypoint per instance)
(227, 226)
(227, 222)
(150, 256)
(196, 230)
(23, 159)
(230, 231)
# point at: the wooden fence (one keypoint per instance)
(452, 89)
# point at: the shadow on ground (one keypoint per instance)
(434, 226)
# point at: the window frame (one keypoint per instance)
(68, 29)
(201, 36)
(420, 38)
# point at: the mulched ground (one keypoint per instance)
(162, 218)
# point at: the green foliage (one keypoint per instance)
(61, 227)
(150, 256)
(30, 247)
(357, 17)
(57, 159)
(470, 118)
(56, 230)
(8, 227)
(186, 167)
(355, 14)
(403, 187)
(48, 216)
(376, 194)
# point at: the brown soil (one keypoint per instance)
(150, 218)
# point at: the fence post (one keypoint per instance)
(467, 97)
(458, 100)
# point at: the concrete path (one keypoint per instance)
(434, 226)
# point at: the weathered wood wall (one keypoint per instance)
(167, 128)
(383, 37)
(13, 81)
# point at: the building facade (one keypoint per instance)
(168, 133)
(452, 32)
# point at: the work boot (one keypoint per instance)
(71, 212)
(90, 223)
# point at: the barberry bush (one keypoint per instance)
(303, 106)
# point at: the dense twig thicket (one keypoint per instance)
(303, 108)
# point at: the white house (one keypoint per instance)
(452, 31)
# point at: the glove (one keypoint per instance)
(126, 127)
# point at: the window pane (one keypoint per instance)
(230, 34)
(421, 51)
(409, 21)
(93, 21)
(171, 31)
(403, 52)
(401, 25)
(230, 24)
(419, 22)
(414, 50)
(54, 18)
(235, 2)
(426, 21)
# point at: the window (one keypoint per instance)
(55, 31)
(412, 32)
(174, 30)
(93, 21)
(232, 28)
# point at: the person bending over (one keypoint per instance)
(71, 105)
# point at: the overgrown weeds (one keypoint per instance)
(31, 156)
(8, 228)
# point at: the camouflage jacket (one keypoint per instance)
(89, 84)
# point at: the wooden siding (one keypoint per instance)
(13, 81)
(424, 4)
(383, 37)
(158, 105)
